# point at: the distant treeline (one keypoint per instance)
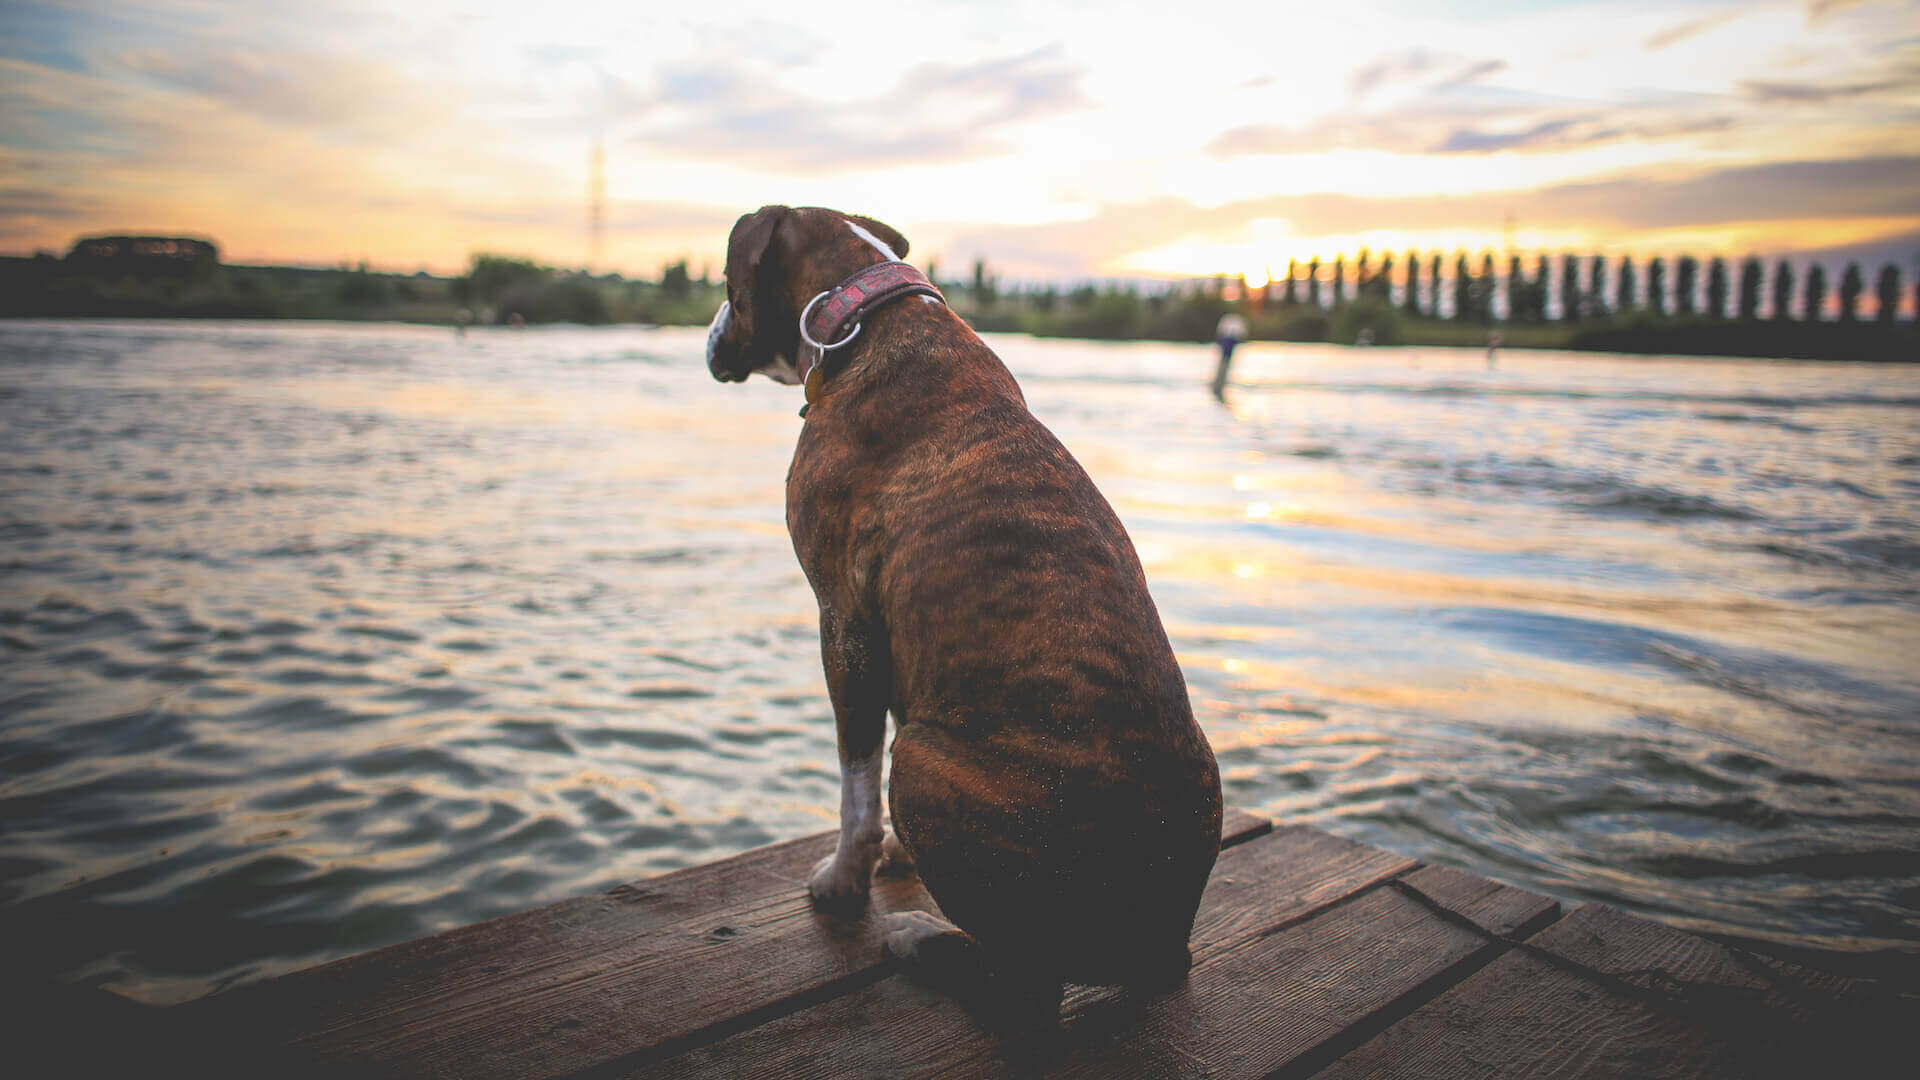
(1576, 302)
(182, 277)
(496, 288)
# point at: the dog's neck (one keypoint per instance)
(828, 264)
(834, 315)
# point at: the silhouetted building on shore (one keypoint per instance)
(142, 257)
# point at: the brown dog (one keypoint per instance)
(1049, 782)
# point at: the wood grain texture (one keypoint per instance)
(894, 1028)
(1660, 1003)
(561, 989)
(1269, 1003)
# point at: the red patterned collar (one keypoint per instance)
(832, 319)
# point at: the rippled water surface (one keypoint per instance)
(318, 637)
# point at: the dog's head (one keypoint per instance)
(778, 258)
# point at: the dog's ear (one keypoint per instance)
(888, 235)
(752, 237)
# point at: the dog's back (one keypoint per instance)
(1058, 799)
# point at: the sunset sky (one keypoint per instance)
(1058, 140)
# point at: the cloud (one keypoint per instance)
(1393, 68)
(1472, 73)
(1566, 132)
(300, 88)
(1444, 106)
(1876, 187)
(936, 112)
(1679, 32)
(1438, 126)
(1899, 249)
(1420, 66)
(39, 203)
(1786, 93)
(1819, 9)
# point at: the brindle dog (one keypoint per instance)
(1049, 782)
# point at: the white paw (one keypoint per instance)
(903, 932)
(837, 883)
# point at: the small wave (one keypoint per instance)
(658, 555)
(675, 658)
(1892, 551)
(386, 633)
(304, 676)
(466, 645)
(643, 738)
(663, 691)
(413, 761)
(544, 736)
(1745, 811)
(433, 697)
(1660, 503)
(312, 793)
(300, 712)
(1757, 418)
(1662, 764)
(1871, 863)
(115, 623)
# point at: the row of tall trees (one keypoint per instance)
(1589, 288)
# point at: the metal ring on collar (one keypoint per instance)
(808, 338)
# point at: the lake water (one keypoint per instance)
(318, 637)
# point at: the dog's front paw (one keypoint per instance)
(840, 885)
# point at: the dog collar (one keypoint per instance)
(832, 319)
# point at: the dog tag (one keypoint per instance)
(813, 385)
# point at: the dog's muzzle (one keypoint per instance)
(721, 319)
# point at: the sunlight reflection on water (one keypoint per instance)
(318, 637)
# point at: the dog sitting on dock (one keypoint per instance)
(1049, 783)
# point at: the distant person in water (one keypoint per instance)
(1231, 331)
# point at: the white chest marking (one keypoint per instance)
(782, 371)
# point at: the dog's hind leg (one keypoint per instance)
(895, 859)
(858, 680)
(923, 942)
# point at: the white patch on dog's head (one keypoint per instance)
(874, 240)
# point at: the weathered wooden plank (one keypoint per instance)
(559, 989)
(1273, 1002)
(896, 1028)
(1652, 1002)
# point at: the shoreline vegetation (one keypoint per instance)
(1567, 303)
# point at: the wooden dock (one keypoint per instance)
(1313, 956)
